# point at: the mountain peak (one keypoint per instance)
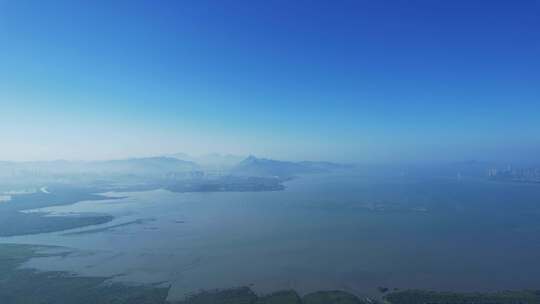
(251, 157)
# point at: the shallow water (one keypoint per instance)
(323, 232)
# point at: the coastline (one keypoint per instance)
(19, 286)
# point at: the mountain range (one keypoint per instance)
(176, 163)
(253, 166)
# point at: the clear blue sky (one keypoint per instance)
(364, 80)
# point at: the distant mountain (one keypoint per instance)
(164, 167)
(326, 166)
(181, 156)
(132, 166)
(253, 166)
(147, 165)
(220, 160)
(213, 161)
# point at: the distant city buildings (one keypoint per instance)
(518, 175)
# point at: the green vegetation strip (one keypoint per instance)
(26, 286)
(432, 297)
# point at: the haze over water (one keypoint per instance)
(340, 231)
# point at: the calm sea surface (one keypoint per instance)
(323, 232)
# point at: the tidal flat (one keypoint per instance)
(346, 233)
(19, 285)
(28, 286)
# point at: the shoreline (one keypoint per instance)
(18, 286)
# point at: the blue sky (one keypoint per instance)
(366, 81)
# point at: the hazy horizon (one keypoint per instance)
(200, 157)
